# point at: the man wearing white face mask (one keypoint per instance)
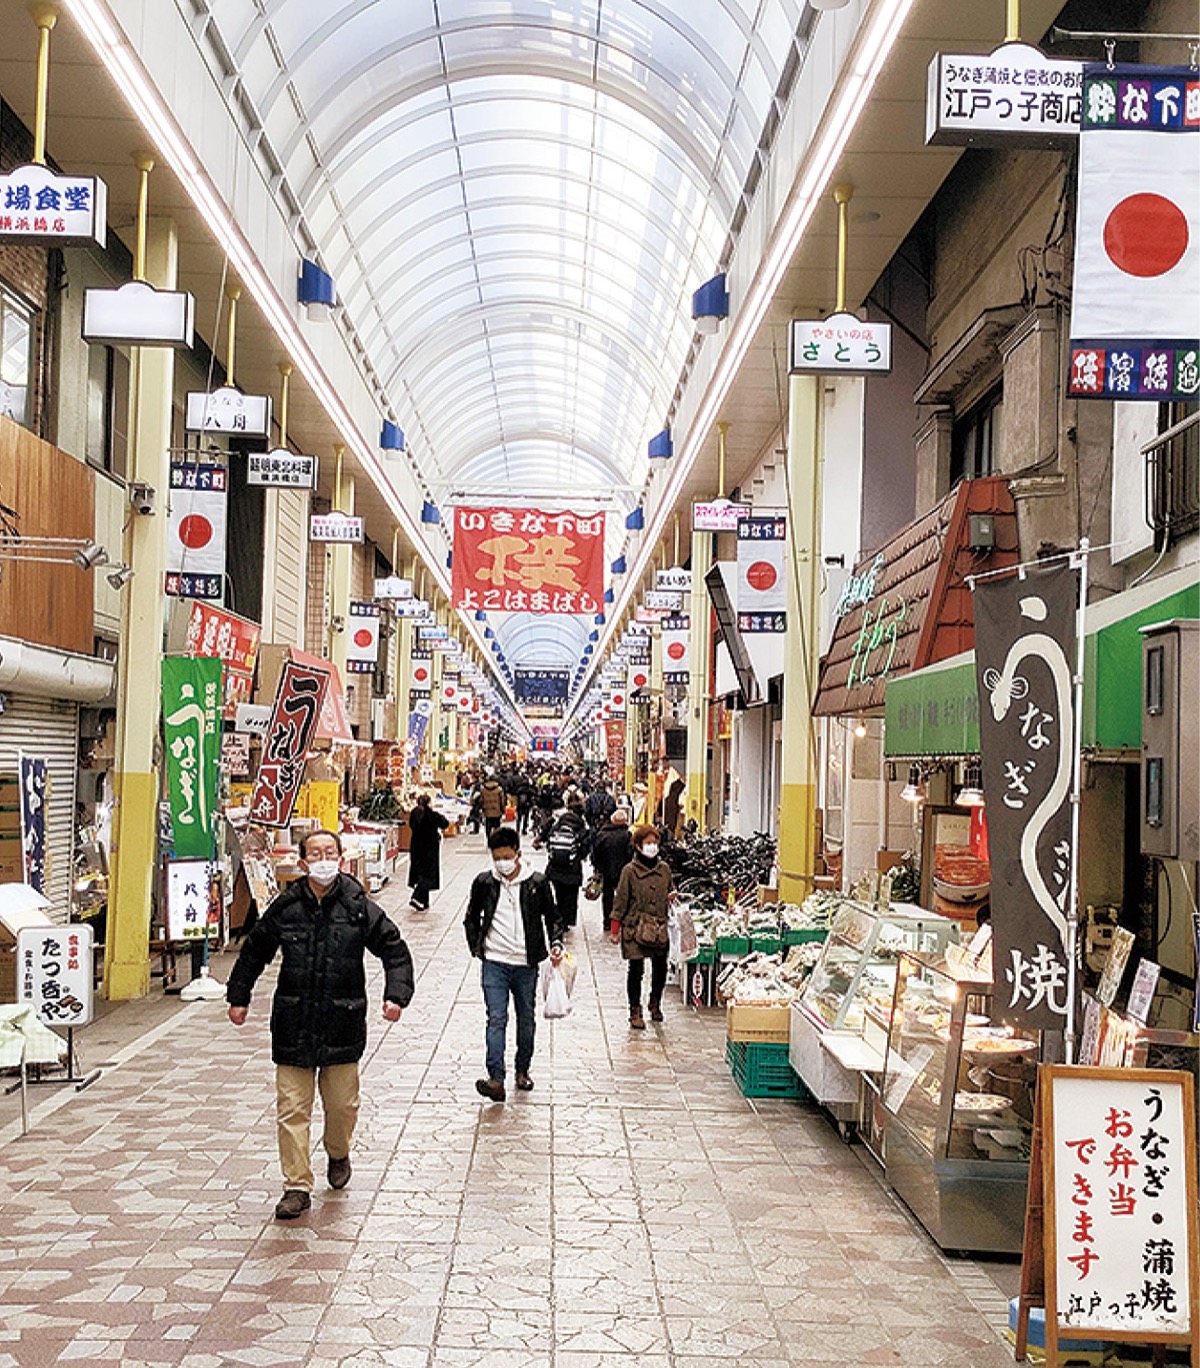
(511, 925)
(323, 924)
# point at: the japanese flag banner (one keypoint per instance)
(521, 560)
(196, 528)
(1134, 315)
(761, 581)
(1024, 661)
(637, 678)
(362, 646)
(676, 649)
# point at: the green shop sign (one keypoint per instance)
(191, 688)
(934, 711)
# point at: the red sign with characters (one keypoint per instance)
(521, 560)
(302, 690)
(214, 632)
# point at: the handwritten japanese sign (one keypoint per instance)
(294, 717)
(191, 690)
(39, 208)
(1016, 95)
(34, 784)
(1024, 654)
(193, 900)
(55, 973)
(841, 344)
(522, 560)
(1121, 1202)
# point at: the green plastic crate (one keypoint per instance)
(705, 954)
(805, 935)
(767, 945)
(763, 1070)
(733, 945)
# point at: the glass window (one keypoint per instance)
(974, 440)
(16, 358)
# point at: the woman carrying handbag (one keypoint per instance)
(641, 904)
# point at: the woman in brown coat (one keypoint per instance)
(640, 905)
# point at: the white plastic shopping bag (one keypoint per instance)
(556, 990)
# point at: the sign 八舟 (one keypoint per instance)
(191, 708)
(839, 345)
(294, 717)
(40, 209)
(335, 527)
(281, 469)
(193, 900)
(228, 410)
(523, 560)
(1017, 95)
(55, 973)
(1134, 328)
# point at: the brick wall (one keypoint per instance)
(314, 609)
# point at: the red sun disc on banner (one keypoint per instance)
(761, 576)
(195, 531)
(421, 675)
(618, 699)
(677, 650)
(1145, 235)
(362, 637)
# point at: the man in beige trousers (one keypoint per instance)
(323, 924)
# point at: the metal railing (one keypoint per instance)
(1173, 481)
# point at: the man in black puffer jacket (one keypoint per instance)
(323, 924)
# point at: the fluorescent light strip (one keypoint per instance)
(865, 61)
(130, 77)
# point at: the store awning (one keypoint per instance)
(935, 711)
(908, 605)
(333, 724)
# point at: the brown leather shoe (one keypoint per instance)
(524, 1082)
(637, 1022)
(338, 1172)
(293, 1203)
(491, 1088)
(656, 1011)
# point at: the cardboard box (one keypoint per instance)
(767, 895)
(761, 1025)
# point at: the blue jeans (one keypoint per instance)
(499, 980)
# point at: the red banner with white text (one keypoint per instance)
(521, 560)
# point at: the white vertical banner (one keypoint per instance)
(761, 575)
(676, 649)
(637, 677)
(362, 645)
(196, 530)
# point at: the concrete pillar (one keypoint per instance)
(139, 696)
(798, 790)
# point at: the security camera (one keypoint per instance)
(143, 497)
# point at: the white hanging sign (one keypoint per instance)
(676, 578)
(40, 209)
(841, 344)
(676, 650)
(281, 469)
(138, 315)
(362, 645)
(196, 530)
(393, 588)
(761, 582)
(335, 527)
(228, 411)
(719, 515)
(1015, 96)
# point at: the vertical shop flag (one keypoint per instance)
(298, 701)
(196, 530)
(637, 678)
(522, 560)
(761, 580)
(614, 741)
(362, 648)
(191, 689)
(676, 649)
(418, 725)
(1134, 332)
(34, 779)
(235, 640)
(1024, 649)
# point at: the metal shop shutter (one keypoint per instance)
(48, 729)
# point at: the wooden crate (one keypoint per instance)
(758, 1025)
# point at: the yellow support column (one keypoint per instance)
(136, 780)
(697, 753)
(798, 790)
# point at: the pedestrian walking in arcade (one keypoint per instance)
(612, 849)
(511, 925)
(425, 851)
(567, 844)
(491, 803)
(641, 904)
(323, 924)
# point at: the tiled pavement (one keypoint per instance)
(633, 1210)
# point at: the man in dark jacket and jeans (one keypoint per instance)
(323, 924)
(511, 925)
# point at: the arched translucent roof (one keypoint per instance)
(516, 199)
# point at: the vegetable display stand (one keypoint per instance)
(763, 1070)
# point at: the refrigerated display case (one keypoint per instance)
(958, 1107)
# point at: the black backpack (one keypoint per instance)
(563, 844)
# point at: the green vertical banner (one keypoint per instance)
(191, 688)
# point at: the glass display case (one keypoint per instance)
(958, 1107)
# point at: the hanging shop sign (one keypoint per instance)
(362, 633)
(433, 633)
(675, 578)
(40, 209)
(449, 693)
(1119, 1191)
(1024, 654)
(676, 649)
(647, 616)
(637, 678)
(408, 608)
(527, 561)
(196, 530)
(614, 747)
(668, 601)
(34, 789)
(841, 344)
(465, 702)
(55, 973)
(335, 527)
(138, 315)
(281, 469)
(418, 726)
(422, 670)
(191, 707)
(234, 641)
(393, 587)
(235, 755)
(718, 515)
(1134, 328)
(193, 900)
(1016, 96)
(446, 646)
(546, 687)
(252, 719)
(761, 582)
(639, 630)
(294, 718)
(229, 412)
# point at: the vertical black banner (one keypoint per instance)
(1025, 664)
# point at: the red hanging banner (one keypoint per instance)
(521, 560)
